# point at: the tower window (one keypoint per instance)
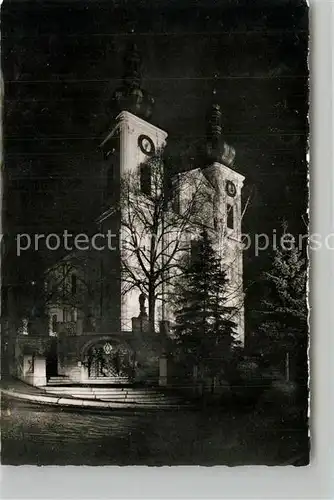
(230, 216)
(145, 179)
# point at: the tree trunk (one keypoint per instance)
(151, 310)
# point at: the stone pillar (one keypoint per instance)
(39, 376)
(28, 366)
(84, 371)
(163, 371)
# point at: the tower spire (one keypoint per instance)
(214, 121)
(215, 148)
(131, 96)
(132, 76)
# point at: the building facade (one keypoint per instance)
(106, 306)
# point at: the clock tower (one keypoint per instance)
(217, 162)
(127, 148)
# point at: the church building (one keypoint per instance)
(106, 306)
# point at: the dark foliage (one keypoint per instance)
(284, 316)
(204, 322)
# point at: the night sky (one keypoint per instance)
(62, 61)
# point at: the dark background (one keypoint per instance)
(62, 61)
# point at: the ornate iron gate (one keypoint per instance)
(108, 360)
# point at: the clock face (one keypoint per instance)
(146, 145)
(231, 189)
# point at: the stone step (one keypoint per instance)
(129, 399)
(66, 388)
(126, 395)
(54, 380)
(144, 401)
(60, 379)
(101, 390)
(112, 377)
(122, 395)
(109, 380)
(109, 393)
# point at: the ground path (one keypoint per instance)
(50, 436)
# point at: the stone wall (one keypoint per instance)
(32, 354)
(33, 344)
(73, 350)
(30, 359)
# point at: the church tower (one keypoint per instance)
(130, 142)
(217, 165)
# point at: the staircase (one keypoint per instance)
(63, 380)
(59, 380)
(134, 396)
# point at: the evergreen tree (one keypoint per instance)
(284, 309)
(204, 327)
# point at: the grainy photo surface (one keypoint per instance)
(154, 233)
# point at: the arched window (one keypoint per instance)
(145, 179)
(230, 216)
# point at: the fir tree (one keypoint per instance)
(204, 327)
(284, 309)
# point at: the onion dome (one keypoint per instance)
(131, 96)
(215, 149)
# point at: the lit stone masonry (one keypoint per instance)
(134, 135)
(212, 188)
(99, 311)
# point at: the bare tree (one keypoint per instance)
(157, 213)
(69, 284)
